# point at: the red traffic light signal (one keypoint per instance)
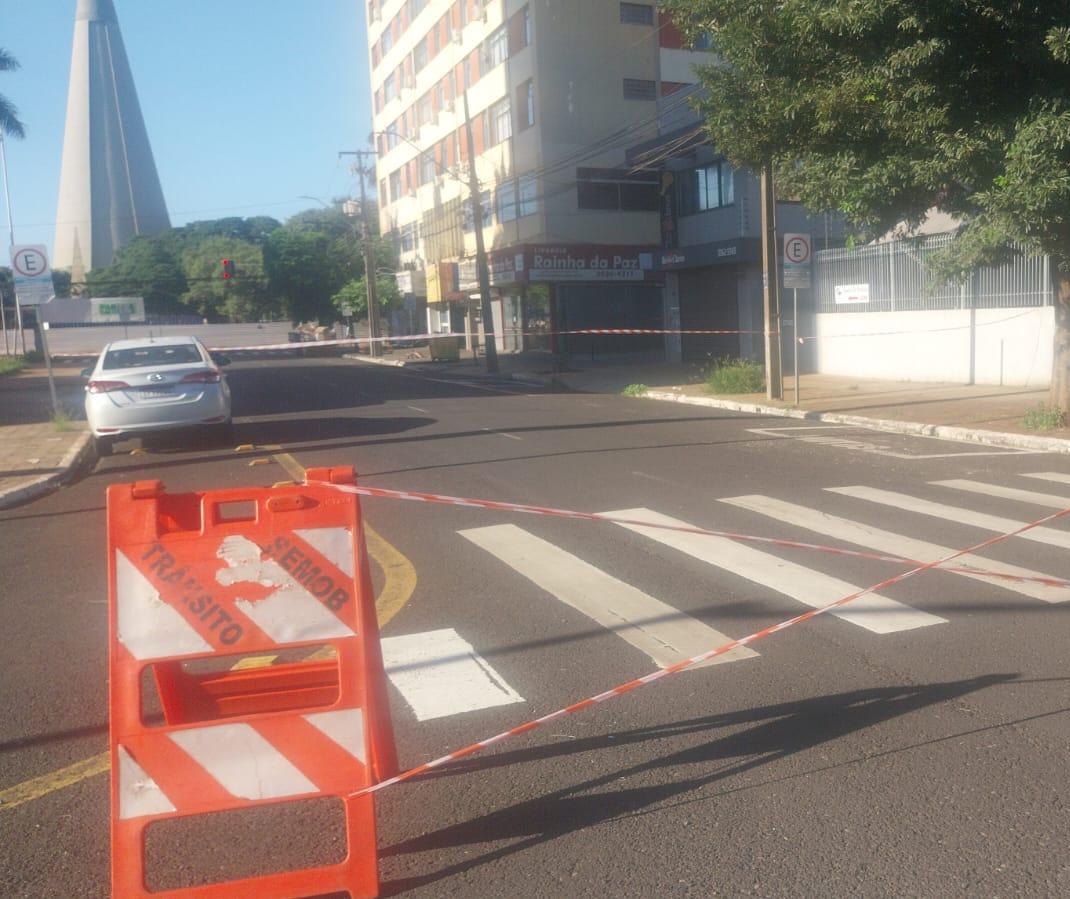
(228, 269)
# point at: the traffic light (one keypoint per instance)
(228, 269)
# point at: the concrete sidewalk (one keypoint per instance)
(37, 453)
(957, 411)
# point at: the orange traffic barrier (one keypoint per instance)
(253, 610)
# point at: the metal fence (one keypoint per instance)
(899, 278)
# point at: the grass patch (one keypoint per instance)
(1044, 418)
(735, 376)
(62, 420)
(634, 390)
(11, 364)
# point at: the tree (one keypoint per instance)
(885, 109)
(242, 298)
(9, 114)
(304, 271)
(145, 267)
(355, 295)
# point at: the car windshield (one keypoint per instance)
(152, 356)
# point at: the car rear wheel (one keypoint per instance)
(103, 446)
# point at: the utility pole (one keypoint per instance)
(482, 272)
(375, 348)
(774, 386)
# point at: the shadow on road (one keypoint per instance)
(761, 736)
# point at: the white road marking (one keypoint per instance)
(148, 627)
(866, 446)
(510, 436)
(1056, 476)
(996, 523)
(665, 634)
(139, 794)
(1023, 496)
(416, 409)
(873, 612)
(896, 544)
(242, 761)
(439, 674)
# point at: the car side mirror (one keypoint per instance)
(221, 359)
(87, 372)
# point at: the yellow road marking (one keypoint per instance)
(29, 790)
(400, 582)
(252, 662)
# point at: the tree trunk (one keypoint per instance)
(1060, 363)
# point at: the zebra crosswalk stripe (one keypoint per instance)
(997, 523)
(665, 634)
(1049, 500)
(1057, 476)
(873, 612)
(889, 542)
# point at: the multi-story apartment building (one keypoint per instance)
(556, 91)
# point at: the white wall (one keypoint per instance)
(936, 345)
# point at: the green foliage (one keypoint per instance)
(304, 272)
(634, 390)
(354, 294)
(146, 267)
(1044, 418)
(9, 365)
(242, 298)
(883, 110)
(735, 376)
(9, 114)
(62, 420)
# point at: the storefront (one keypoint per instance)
(712, 287)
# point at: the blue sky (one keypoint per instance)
(247, 102)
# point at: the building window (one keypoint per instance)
(636, 14)
(507, 211)
(419, 55)
(390, 88)
(428, 169)
(499, 123)
(409, 238)
(607, 189)
(415, 7)
(525, 105)
(487, 209)
(527, 26)
(703, 41)
(383, 198)
(466, 68)
(706, 188)
(424, 110)
(439, 93)
(395, 186)
(387, 40)
(639, 89)
(529, 195)
(496, 49)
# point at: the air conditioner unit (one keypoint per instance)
(409, 82)
(458, 36)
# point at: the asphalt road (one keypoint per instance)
(916, 748)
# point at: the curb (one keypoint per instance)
(372, 360)
(73, 458)
(947, 432)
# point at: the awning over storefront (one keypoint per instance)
(572, 263)
(721, 252)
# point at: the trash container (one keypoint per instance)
(445, 349)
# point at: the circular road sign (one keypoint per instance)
(797, 249)
(29, 262)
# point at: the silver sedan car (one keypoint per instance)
(145, 386)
